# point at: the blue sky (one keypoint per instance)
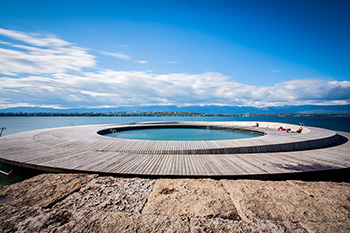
(72, 54)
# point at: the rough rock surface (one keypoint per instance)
(246, 225)
(44, 190)
(323, 203)
(37, 219)
(110, 194)
(191, 197)
(131, 222)
(91, 203)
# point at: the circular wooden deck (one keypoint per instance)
(83, 149)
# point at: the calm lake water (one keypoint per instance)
(21, 124)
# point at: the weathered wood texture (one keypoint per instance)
(81, 148)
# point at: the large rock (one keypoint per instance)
(245, 225)
(110, 194)
(316, 205)
(37, 219)
(191, 197)
(44, 190)
(135, 222)
(327, 226)
(105, 221)
(332, 193)
(90, 203)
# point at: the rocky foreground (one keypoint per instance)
(92, 203)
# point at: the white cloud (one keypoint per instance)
(276, 71)
(42, 55)
(34, 39)
(141, 62)
(116, 55)
(122, 88)
(171, 62)
(23, 104)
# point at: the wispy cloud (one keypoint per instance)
(40, 55)
(116, 55)
(275, 71)
(171, 62)
(34, 39)
(141, 61)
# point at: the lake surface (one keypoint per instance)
(182, 134)
(21, 124)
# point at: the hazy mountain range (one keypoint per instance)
(201, 109)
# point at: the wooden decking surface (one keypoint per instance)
(80, 148)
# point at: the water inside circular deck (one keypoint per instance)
(183, 134)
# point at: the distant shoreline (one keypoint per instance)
(177, 114)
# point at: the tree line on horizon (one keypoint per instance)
(174, 114)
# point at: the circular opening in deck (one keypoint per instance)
(181, 133)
